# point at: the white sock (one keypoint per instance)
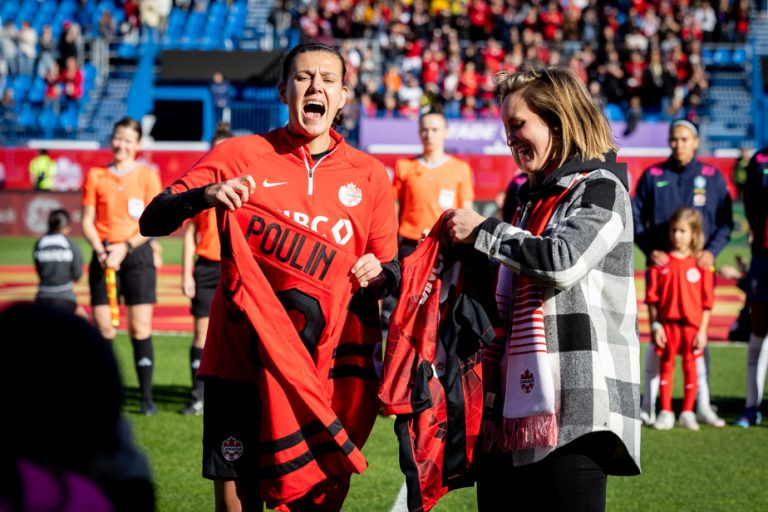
(702, 374)
(651, 381)
(757, 364)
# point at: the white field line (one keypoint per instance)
(401, 503)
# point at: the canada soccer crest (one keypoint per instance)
(232, 448)
(693, 275)
(527, 381)
(350, 195)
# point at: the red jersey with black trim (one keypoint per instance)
(432, 375)
(681, 290)
(277, 274)
(343, 199)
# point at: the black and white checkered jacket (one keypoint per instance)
(584, 262)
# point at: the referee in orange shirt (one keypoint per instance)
(114, 198)
(425, 186)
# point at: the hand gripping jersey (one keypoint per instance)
(432, 374)
(277, 273)
(344, 197)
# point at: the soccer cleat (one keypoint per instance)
(147, 408)
(688, 420)
(710, 417)
(664, 421)
(751, 416)
(647, 418)
(195, 408)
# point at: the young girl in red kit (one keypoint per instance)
(680, 296)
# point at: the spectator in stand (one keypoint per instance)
(706, 18)
(9, 48)
(611, 77)
(27, 41)
(70, 43)
(221, 94)
(658, 85)
(150, 19)
(47, 53)
(741, 21)
(52, 96)
(8, 108)
(164, 8)
(681, 181)
(131, 26)
(105, 34)
(756, 210)
(410, 95)
(71, 79)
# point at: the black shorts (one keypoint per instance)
(206, 276)
(69, 306)
(136, 279)
(231, 426)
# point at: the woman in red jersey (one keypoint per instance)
(317, 217)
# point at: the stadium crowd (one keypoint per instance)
(644, 58)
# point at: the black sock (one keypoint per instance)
(195, 354)
(144, 359)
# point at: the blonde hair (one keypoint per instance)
(561, 100)
(695, 221)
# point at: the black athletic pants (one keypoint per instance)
(569, 479)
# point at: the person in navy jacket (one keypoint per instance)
(681, 180)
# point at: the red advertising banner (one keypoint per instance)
(25, 212)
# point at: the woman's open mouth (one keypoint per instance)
(314, 109)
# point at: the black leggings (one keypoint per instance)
(568, 479)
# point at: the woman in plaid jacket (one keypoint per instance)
(566, 393)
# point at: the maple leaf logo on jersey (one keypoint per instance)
(350, 195)
(527, 381)
(232, 448)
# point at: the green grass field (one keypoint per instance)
(710, 470)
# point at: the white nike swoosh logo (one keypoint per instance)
(267, 184)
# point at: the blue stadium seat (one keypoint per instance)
(37, 91)
(127, 51)
(613, 112)
(722, 56)
(68, 119)
(707, 56)
(27, 117)
(48, 121)
(739, 56)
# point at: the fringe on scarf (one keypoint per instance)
(517, 434)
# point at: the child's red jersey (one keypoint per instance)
(681, 290)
